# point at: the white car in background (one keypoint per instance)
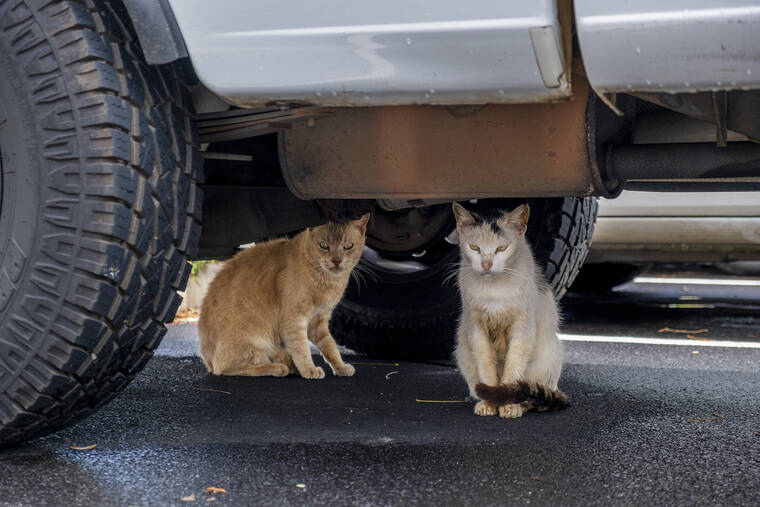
(641, 228)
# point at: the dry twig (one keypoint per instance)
(211, 390)
(83, 448)
(703, 338)
(681, 331)
(715, 417)
(439, 401)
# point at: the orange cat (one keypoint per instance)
(265, 305)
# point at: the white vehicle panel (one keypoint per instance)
(678, 230)
(347, 53)
(671, 46)
(696, 204)
(677, 227)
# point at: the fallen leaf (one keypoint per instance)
(715, 417)
(388, 375)
(299, 485)
(682, 331)
(695, 352)
(83, 448)
(211, 390)
(188, 498)
(212, 489)
(186, 316)
(439, 401)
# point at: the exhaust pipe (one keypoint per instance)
(685, 166)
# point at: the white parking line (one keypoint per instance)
(658, 341)
(698, 281)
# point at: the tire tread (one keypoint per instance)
(122, 198)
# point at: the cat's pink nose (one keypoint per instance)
(486, 265)
(336, 262)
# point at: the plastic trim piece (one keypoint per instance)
(548, 56)
(157, 30)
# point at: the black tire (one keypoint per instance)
(100, 209)
(605, 276)
(413, 316)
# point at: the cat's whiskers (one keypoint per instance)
(452, 270)
(357, 277)
(366, 271)
(516, 274)
(317, 269)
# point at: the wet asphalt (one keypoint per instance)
(650, 424)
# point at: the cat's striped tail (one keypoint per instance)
(537, 396)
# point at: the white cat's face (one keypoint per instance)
(487, 247)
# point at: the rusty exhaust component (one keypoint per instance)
(519, 150)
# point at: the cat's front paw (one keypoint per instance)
(314, 372)
(511, 411)
(344, 370)
(484, 408)
(280, 370)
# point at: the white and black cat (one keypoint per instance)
(507, 345)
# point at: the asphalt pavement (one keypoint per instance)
(664, 380)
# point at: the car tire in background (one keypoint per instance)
(413, 314)
(100, 209)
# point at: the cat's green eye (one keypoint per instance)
(475, 247)
(323, 245)
(501, 248)
(349, 246)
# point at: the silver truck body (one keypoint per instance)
(359, 53)
(350, 53)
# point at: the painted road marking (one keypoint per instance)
(658, 341)
(698, 281)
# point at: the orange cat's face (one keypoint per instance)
(338, 247)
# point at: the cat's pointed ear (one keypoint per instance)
(517, 219)
(464, 217)
(361, 222)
